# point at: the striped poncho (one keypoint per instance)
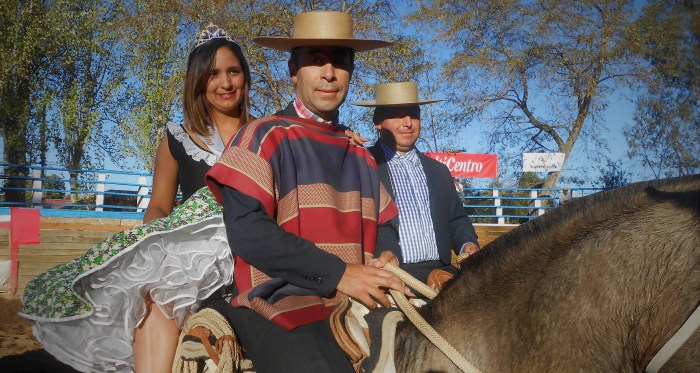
(315, 185)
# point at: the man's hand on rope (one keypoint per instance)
(470, 248)
(384, 258)
(368, 283)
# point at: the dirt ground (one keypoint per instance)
(19, 350)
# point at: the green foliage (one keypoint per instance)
(89, 74)
(158, 47)
(102, 78)
(474, 204)
(30, 42)
(665, 135)
(155, 64)
(530, 180)
(55, 184)
(613, 176)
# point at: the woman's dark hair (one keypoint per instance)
(195, 107)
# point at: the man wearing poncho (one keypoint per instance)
(304, 209)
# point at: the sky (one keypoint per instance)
(618, 113)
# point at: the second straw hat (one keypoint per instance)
(395, 94)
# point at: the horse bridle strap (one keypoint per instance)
(428, 331)
(675, 343)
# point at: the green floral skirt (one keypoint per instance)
(85, 310)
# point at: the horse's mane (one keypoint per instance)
(591, 210)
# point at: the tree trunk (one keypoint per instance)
(14, 114)
(551, 180)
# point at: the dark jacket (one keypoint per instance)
(288, 111)
(451, 223)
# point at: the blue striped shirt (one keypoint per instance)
(416, 233)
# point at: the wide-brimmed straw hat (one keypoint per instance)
(330, 29)
(395, 94)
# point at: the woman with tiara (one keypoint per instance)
(120, 306)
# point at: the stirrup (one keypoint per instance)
(438, 278)
(193, 348)
(198, 343)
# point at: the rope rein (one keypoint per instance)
(228, 355)
(428, 331)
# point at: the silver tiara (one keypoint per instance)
(212, 32)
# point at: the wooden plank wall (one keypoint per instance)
(488, 233)
(63, 239)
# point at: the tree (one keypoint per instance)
(162, 46)
(527, 180)
(156, 57)
(91, 72)
(613, 175)
(31, 38)
(665, 134)
(55, 185)
(530, 180)
(100, 73)
(540, 71)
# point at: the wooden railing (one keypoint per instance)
(121, 194)
(75, 190)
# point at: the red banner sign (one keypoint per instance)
(469, 165)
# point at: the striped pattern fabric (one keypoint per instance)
(317, 186)
(416, 233)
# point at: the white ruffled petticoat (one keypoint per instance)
(86, 310)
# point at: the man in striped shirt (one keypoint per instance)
(432, 221)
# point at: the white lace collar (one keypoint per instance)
(191, 148)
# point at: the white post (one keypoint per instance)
(537, 203)
(142, 200)
(37, 195)
(541, 204)
(100, 197)
(499, 210)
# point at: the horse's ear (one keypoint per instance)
(689, 199)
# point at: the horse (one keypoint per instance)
(597, 285)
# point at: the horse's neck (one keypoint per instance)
(578, 278)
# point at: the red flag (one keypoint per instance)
(24, 230)
(24, 226)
